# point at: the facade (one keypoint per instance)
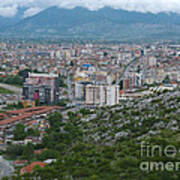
(112, 95)
(102, 95)
(43, 88)
(133, 80)
(152, 61)
(80, 89)
(95, 95)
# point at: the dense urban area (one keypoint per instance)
(81, 110)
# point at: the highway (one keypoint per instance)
(5, 168)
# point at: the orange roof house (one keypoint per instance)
(29, 168)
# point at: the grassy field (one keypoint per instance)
(5, 91)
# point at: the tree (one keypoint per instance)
(23, 72)
(19, 132)
(14, 150)
(61, 82)
(105, 54)
(139, 69)
(49, 154)
(28, 151)
(62, 103)
(33, 132)
(85, 111)
(166, 79)
(55, 120)
(72, 63)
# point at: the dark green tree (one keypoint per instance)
(19, 132)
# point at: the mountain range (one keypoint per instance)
(105, 23)
(11, 21)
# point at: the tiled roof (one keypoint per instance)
(27, 113)
(31, 122)
(21, 111)
(14, 119)
(2, 116)
(29, 168)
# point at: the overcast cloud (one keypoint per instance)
(9, 8)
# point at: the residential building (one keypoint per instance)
(102, 95)
(43, 88)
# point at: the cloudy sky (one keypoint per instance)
(9, 8)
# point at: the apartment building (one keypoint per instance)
(43, 88)
(102, 95)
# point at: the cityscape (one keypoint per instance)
(81, 107)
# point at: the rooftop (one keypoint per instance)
(29, 168)
(43, 75)
(27, 113)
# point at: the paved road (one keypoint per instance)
(69, 84)
(17, 90)
(5, 168)
(126, 69)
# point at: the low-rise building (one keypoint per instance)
(30, 117)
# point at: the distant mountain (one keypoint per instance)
(11, 21)
(106, 23)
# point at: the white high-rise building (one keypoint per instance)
(95, 95)
(79, 90)
(58, 54)
(138, 79)
(152, 61)
(52, 54)
(112, 95)
(101, 95)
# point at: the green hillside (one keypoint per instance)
(112, 142)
